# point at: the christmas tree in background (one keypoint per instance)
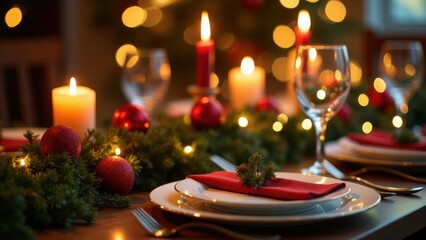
(261, 29)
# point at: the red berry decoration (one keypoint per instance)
(60, 139)
(131, 117)
(117, 174)
(207, 113)
(268, 104)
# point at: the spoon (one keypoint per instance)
(340, 175)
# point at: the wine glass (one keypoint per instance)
(322, 82)
(145, 77)
(401, 65)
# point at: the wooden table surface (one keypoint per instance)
(396, 217)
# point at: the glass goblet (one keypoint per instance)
(402, 67)
(145, 77)
(321, 82)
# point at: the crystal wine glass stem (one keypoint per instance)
(320, 126)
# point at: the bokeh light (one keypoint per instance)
(277, 126)
(133, 16)
(363, 100)
(243, 122)
(379, 85)
(120, 55)
(280, 69)
(117, 151)
(335, 11)
(397, 121)
(282, 118)
(188, 150)
(153, 16)
(284, 36)
(367, 127)
(13, 17)
(191, 35)
(214, 80)
(307, 124)
(290, 4)
(321, 94)
(356, 73)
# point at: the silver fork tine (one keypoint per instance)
(150, 224)
(150, 219)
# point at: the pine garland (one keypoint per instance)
(56, 191)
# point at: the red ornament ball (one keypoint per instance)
(60, 139)
(252, 4)
(380, 101)
(268, 104)
(207, 113)
(131, 117)
(345, 113)
(116, 173)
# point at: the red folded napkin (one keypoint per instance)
(286, 189)
(11, 145)
(385, 139)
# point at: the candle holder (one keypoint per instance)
(198, 92)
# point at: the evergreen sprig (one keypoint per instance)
(255, 173)
(405, 136)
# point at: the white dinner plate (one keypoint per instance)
(336, 151)
(250, 204)
(384, 153)
(18, 133)
(358, 200)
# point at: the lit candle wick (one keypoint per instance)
(73, 87)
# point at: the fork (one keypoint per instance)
(157, 230)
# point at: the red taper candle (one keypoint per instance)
(303, 35)
(205, 53)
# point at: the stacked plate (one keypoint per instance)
(194, 199)
(346, 150)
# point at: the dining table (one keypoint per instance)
(395, 217)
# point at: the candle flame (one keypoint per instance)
(304, 21)
(73, 87)
(312, 54)
(247, 65)
(205, 26)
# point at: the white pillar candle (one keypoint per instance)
(246, 84)
(74, 106)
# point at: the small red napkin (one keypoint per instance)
(11, 145)
(385, 139)
(286, 189)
